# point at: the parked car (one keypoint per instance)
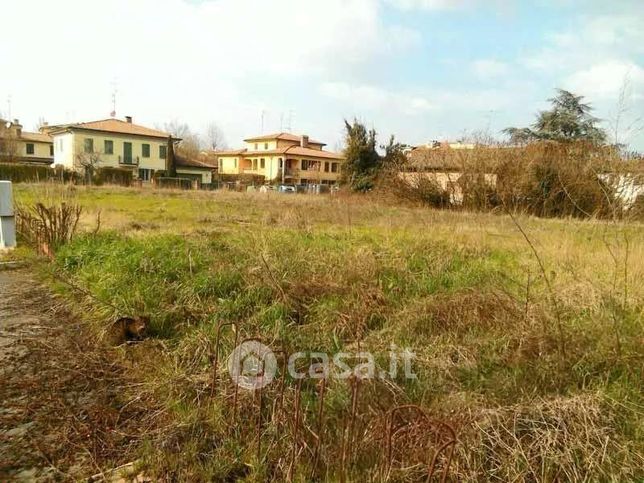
(287, 188)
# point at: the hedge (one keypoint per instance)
(26, 173)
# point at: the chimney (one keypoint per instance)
(128, 119)
(304, 141)
(18, 127)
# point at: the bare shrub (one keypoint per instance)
(48, 227)
(544, 179)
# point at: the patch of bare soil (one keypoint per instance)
(64, 413)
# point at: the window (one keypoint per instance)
(281, 163)
(51, 149)
(108, 147)
(326, 167)
(266, 146)
(30, 148)
(255, 164)
(145, 174)
(256, 148)
(145, 150)
(262, 163)
(334, 167)
(221, 165)
(306, 164)
(235, 163)
(127, 153)
(88, 145)
(163, 151)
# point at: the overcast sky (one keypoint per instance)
(419, 69)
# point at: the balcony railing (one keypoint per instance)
(129, 160)
(292, 172)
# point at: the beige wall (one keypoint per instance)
(229, 164)
(69, 146)
(261, 145)
(41, 150)
(206, 176)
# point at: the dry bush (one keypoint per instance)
(550, 179)
(544, 179)
(560, 439)
(48, 227)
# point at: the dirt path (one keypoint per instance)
(61, 413)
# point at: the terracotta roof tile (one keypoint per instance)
(192, 162)
(296, 151)
(36, 137)
(114, 126)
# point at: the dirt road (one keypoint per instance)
(62, 416)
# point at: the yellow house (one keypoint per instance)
(21, 146)
(283, 157)
(110, 143)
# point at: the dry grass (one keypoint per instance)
(462, 290)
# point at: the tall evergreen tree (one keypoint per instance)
(363, 160)
(569, 119)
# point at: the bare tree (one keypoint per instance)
(190, 144)
(214, 137)
(623, 124)
(89, 162)
(8, 141)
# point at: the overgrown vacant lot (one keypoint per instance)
(537, 366)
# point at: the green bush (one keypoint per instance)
(25, 173)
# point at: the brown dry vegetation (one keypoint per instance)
(544, 179)
(537, 364)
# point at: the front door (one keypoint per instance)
(127, 153)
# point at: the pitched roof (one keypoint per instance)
(36, 137)
(295, 150)
(313, 153)
(192, 162)
(284, 136)
(229, 152)
(113, 126)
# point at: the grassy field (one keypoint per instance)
(535, 361)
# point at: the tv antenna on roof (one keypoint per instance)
(289, 126)
(114, 85)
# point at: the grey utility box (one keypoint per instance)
(7, 219)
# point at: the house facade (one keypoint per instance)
(284, 158)
(25, 147)
(110, 143)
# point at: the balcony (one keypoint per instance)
(128, 161)
(252, 171)
(292, 172)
